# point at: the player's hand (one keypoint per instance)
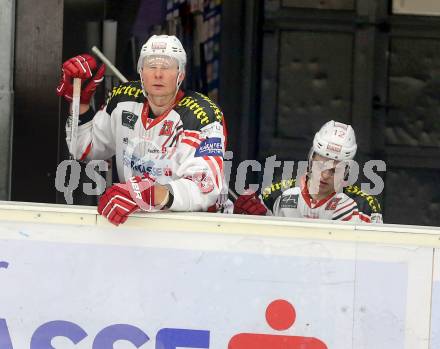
(82, 67)
(122, 199)
(116, 204)
(249, 203)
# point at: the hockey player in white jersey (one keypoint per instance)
(169, 143)
(323, 192)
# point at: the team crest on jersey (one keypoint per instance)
(332, 204)
(129, 119)
(167, 128)
(289, 201)
(203, 181)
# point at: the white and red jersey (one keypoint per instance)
(182, 148)
(344, 206)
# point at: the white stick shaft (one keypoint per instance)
(75, 115)
(109, 64)
(232, 194)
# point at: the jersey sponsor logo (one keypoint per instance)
(167, 128)
(289, 201)
(332, 204)
(372, 201)
(210, 147)
(149, 167)
(311, 215)
(129, 119)
(126, 90)
(217, 112)
(200, 113)
(284, 184)
(155, 151)
(214, 129)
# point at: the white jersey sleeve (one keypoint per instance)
(98, 132)
(200, 150)
(96, 138)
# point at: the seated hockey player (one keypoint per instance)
(323, 192)
(169, 143)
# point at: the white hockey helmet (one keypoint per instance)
(163, 45)
(336, 141)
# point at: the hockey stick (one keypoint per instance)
(76, 95)
(109, 64)
(75, 115)
(121, 77)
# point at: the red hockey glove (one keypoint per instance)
(81, 67)
(122, 199)
(116, 204)
(249, 204)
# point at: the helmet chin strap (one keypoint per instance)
(142, 84)
(178, 83)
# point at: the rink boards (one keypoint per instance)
(69, 279)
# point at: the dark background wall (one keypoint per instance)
(38, 53)
(356, 62)
(287, 66)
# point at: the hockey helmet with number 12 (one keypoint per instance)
(156, 48)
(336, 141)
(163, 45)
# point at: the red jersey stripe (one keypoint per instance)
(213, 169)
(219, 161)
(86, 152)
(193, 144)
(192, 134)
(340, 208)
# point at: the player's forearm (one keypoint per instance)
(189, 197)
